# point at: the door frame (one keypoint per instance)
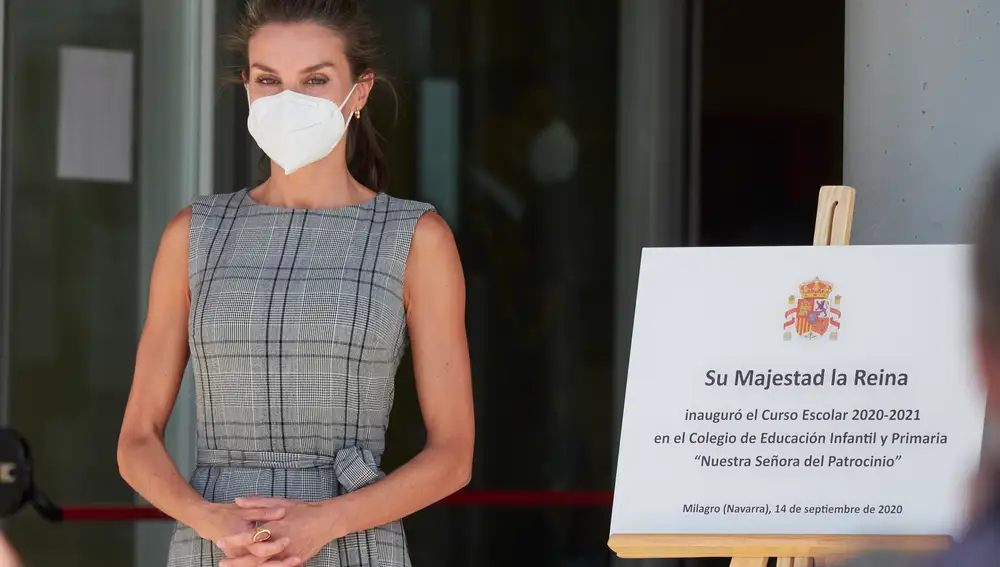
(177, 119)
(5, 234)
(659, 142)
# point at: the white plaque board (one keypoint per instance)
(877, 434)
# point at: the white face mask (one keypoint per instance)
(294, 129)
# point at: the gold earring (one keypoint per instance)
(357, 114)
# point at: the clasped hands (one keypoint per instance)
(298, 531)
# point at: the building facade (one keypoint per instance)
(557, 139)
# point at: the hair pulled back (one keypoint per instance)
(347, 19)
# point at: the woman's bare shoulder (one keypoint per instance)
(178, 229)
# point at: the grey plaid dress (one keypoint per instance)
(297, 327)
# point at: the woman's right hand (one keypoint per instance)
(219, 521)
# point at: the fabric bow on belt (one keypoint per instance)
(354, 467)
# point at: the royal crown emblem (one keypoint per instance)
(813, 314)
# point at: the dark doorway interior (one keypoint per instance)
(772, 118)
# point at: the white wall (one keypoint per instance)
(921, 115)
(921, 119)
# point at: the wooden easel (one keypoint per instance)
(834, 216)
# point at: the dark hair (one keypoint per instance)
(986, 258)
(365, 159)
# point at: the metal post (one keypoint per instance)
(656, 67)
(6, 235)
(175, 164)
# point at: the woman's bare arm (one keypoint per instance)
(159, 367)
(434, 295)
(8, 557)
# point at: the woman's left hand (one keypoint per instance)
(307, 525)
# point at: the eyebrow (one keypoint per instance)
(309, 69)
(318, 66)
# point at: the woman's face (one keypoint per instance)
(307, 58)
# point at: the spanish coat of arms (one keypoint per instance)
(813, 313)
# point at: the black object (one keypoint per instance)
(17, 486)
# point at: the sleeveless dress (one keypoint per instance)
(297, 328)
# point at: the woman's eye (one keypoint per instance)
(317, 81)
(266, 81)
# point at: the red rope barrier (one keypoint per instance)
(112, 514)
(465, 498)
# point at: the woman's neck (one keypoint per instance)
(320, 185)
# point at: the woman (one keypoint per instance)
(294, 301)
(8, 557)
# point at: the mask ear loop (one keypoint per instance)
(348, 97)
(246, 85)
(356, 113)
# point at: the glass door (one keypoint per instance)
(71, 202)
(102, 106)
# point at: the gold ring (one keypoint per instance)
(261, 535)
